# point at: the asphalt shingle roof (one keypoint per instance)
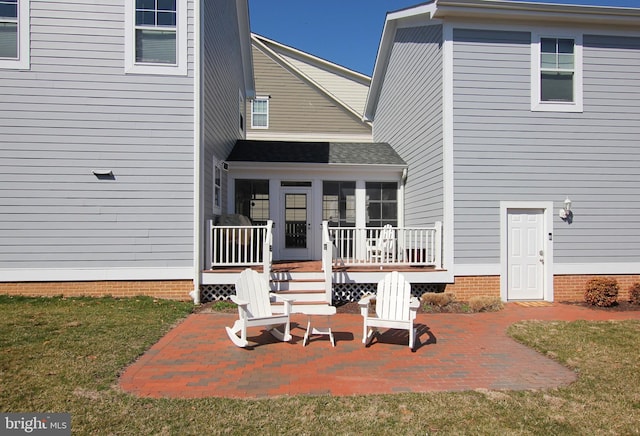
(354, 153)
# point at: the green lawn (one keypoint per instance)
(64, 355)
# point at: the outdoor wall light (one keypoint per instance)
(565, 213)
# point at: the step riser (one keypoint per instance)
(296, 286)
(285, 276)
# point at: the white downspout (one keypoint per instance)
(197, 156)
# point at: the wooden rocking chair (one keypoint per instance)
(395, 308)
(253, 298)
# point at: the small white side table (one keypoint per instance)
(318, 311)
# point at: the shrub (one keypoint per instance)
(601, 292)
(439, 299)
(634, 293)
(485, 304)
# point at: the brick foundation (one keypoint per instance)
(571, 288)
(565, 287)
(167, 289)
(474, 286)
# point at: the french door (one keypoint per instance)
(295, 233)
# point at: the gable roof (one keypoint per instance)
(347, 153)
(437, 11)
(347, 88)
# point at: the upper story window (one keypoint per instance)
(156, 41)
(156, 38)
(14, 34)
(556, 79)
(260, 113)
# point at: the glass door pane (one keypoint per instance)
(295, 220)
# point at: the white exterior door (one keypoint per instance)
(296, 237)
(525, 254)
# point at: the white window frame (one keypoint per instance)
(253, 113)
(537, 105)
(133, 67)
(23, 61)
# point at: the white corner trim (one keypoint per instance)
(23, 62)
(87, 274)
(182, 35)
(448, 222)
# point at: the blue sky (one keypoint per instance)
(346, 32)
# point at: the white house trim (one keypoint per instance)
(448, 226)
(479, 269)
(623, 268)
(88, 274)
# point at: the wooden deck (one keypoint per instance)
(316, 266)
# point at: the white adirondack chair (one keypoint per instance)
(383, 248)
(395, 308)
(254, 299)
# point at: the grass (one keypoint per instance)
(64, 355)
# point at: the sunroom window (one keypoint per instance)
(252, 200)
(382, 204)
(339, 203)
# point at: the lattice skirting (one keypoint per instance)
(342, 292)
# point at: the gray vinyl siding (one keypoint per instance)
(504, 151)
(222, 81)
(409, 117)
(296, 106)
(74, 111)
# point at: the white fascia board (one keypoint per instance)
(414, 16)
(306, 170)
(242, 9)
(88, 274)
(517, 10)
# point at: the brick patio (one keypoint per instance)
(454, 352)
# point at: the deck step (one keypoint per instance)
(304, 295)
(299, 306)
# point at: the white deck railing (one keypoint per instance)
(229, 246)
(371, 246)
(233, 246)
